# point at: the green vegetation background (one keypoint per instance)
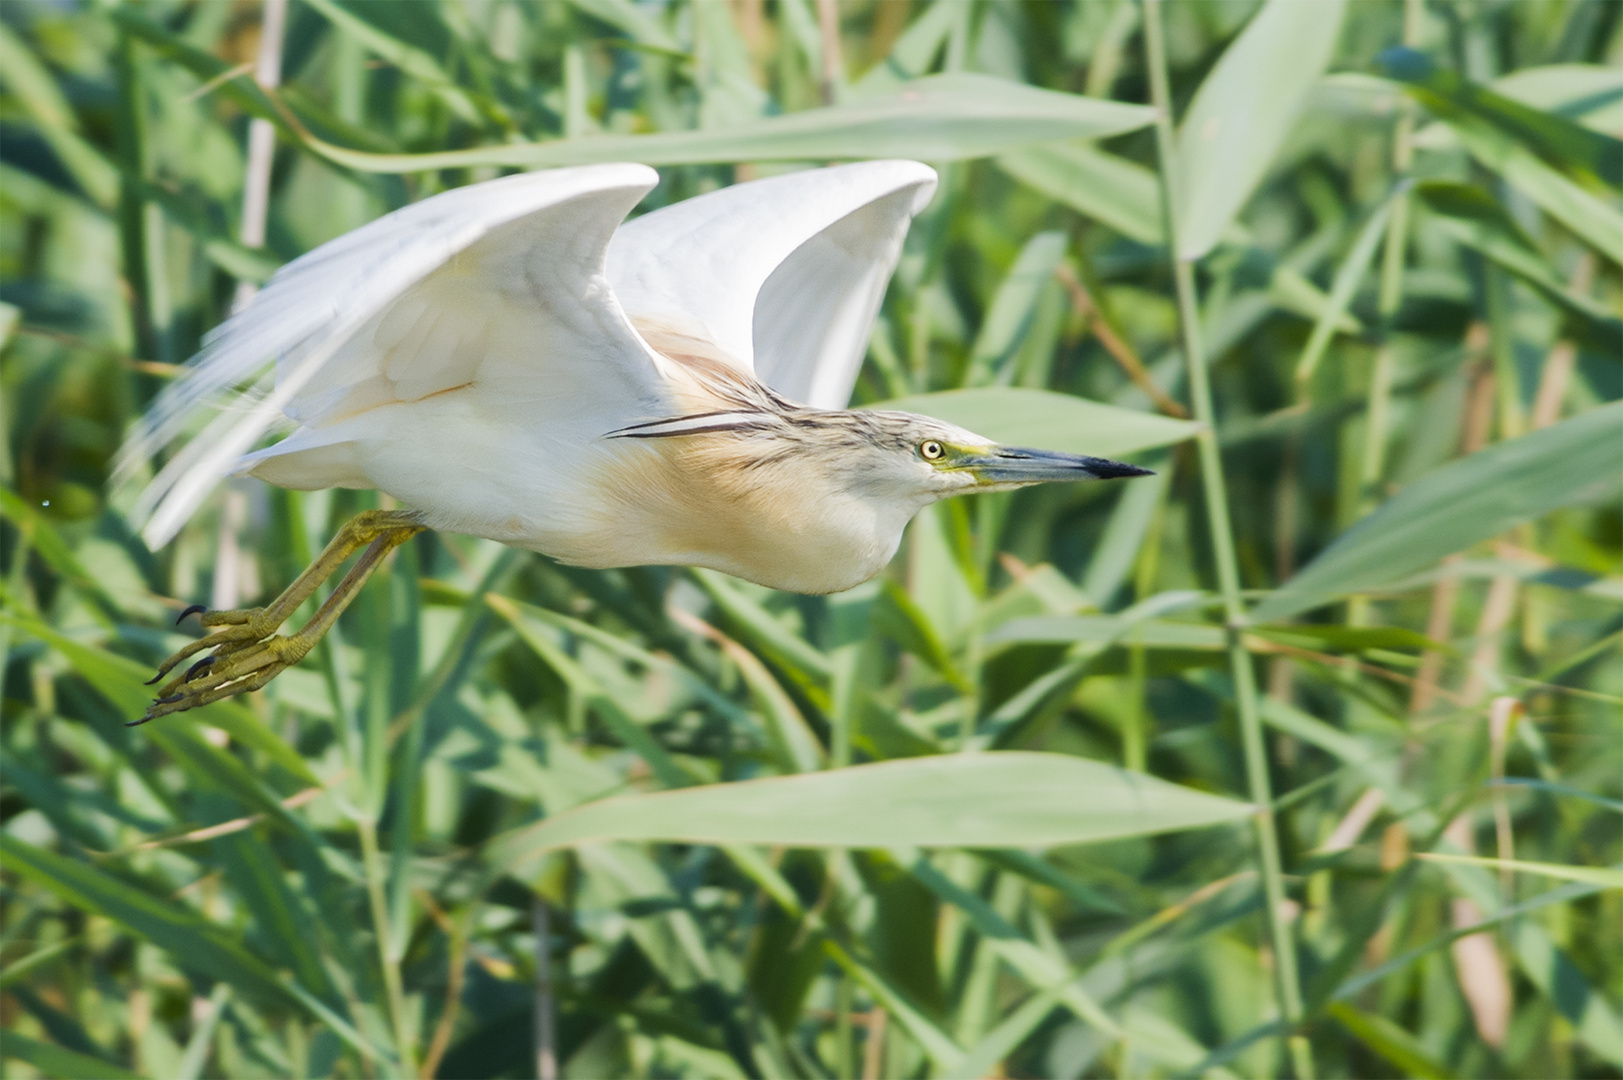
(1406, 286)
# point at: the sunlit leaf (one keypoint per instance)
(1042, 970)
(1591, 94)
(1573, 463)
(1109, 630)
(1589, 217)
(1608, 877)
(936, 118)
(1015, 416)
(1348, 277)
(1244, 110)
(960, 800)
(1014, 305)
(1593, 1018)
(124, 682)
(1107, 188)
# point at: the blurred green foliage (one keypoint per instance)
(1407, 223)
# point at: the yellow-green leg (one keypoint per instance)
(247, 653)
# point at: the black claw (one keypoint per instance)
(171, 699)
(138, 723)
(154, 679)
(198, 668)
(195, 609)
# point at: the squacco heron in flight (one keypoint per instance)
(513, 360)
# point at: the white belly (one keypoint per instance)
(597, 502)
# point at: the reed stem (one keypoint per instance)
(1286, 979)
(376, 883)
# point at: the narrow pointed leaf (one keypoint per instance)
(1608, 877)
(123, 682)
(192, 941)
(1013, 307)
(937, 1044)
(961, 800)
(1112, 190)
(1109, 630)
(1347, 279)
(1554, 138)
(1573, 463)
(1563, 895)
(1043, 971)
(947, 117)
(1474, 219)
(1591, 94)
(1017, 416)
(1593, 1018)
(1589, 218)
(1243, 111)
(1390, 1041)
(53, 1060)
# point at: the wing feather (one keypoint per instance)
(783, 275)
(406, 307)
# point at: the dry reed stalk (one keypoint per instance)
(261, 141)
(1503, 592)
(546, 1043)
(873, 1047)
(1502, 716)
(1354, 822)
(1477, 964)
(456, 971)
(1118, 348)
(833, 73)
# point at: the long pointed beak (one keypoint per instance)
(1012, 465)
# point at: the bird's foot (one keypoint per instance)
(243, 627)
(245, 656)
(236, 667)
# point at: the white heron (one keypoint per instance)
(513, 360)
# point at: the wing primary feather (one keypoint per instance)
(782, 276)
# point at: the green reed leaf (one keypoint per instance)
(1554, 138)
(1109, 189)
(1573, 463)
(1016, 416)
(964, 800)
(1607, 877)
(195, 943)
(1390, 1041)
(53, 1060)
(1243, 111)
(936, 118)
(1475, 219)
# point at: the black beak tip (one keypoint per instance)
(1116, 470)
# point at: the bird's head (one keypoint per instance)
(915, 460)
(803, 499)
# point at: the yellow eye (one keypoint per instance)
(930, 450)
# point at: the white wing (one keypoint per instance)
(499, 283)
(784, 275)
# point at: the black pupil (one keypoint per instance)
(932, 449)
